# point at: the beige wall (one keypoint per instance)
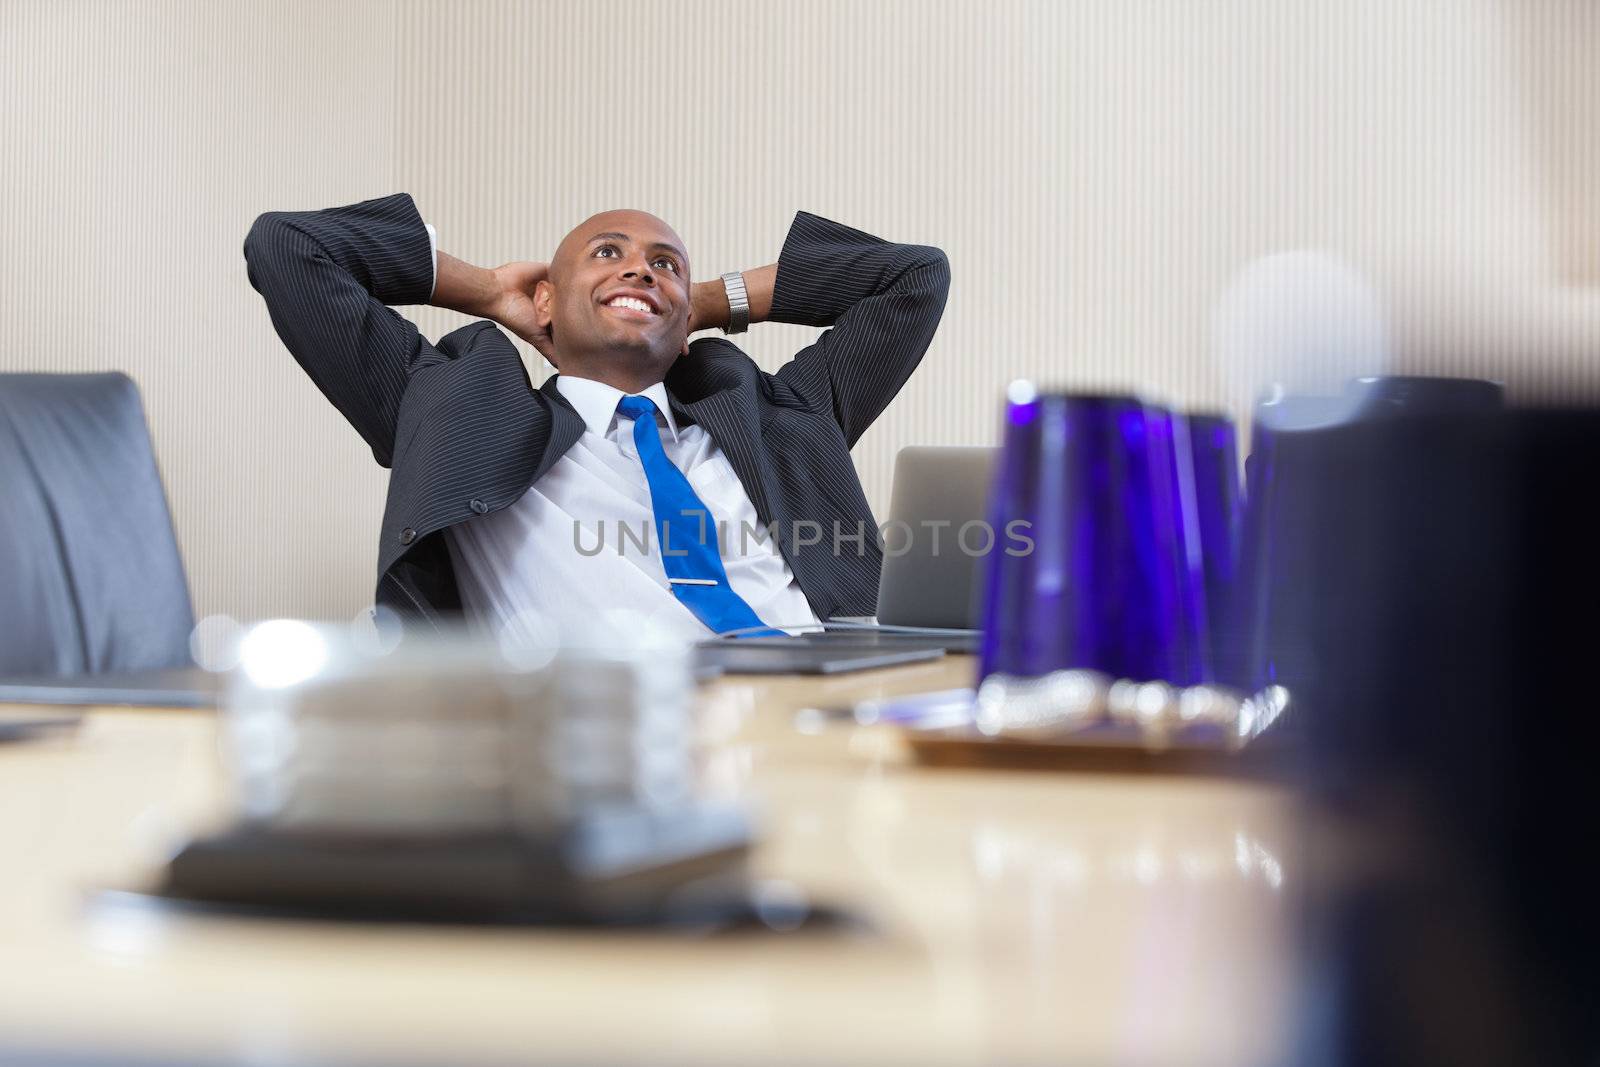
(1097, 171)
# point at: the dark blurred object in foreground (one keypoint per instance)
(618, 867)
(1261, 624)
(1438, 633)
(1417, 395)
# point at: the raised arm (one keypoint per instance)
(883, 302)
(328, 277)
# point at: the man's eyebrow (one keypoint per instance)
(614, 236)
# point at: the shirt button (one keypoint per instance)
(479, 506)
(407, 536)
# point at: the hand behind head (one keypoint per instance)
(514, 309)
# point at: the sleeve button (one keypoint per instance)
(407, 536)
(479, 506)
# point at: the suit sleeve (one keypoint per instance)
(882, 302)
(328, 278)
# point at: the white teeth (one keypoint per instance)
(629, 302)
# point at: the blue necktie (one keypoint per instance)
(687, 532)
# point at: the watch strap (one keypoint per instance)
(738, 303)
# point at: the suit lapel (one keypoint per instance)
(483, 339)
(566, 426)
(733, 424)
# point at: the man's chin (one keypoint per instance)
(630, 335)
(635, 357)
(632, 348)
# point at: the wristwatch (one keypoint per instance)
(738, 303)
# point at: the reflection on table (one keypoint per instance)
(1002, 916)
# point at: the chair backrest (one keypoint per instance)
(90, 576)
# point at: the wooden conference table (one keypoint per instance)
(1012, 917)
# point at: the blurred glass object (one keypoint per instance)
(330, 731)
(1109, 584)
(1117, 614)
(1133, 523)
(1219, 500)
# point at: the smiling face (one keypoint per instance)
(617, 302)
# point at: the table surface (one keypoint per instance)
(1009, 917)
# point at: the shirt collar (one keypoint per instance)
(597, 402)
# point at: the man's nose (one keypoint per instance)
(639, 270)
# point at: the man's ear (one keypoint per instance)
(543, 293)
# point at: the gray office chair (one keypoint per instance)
(90, 577)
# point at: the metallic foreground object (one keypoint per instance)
(454, 779)
(329, 733)
(1057, 704)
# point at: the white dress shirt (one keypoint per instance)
(567, 554)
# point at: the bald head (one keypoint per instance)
(619, 221)
(617, 300)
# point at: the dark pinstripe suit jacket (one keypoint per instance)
(465, 433)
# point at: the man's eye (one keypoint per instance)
(669, 263)
(602, 248)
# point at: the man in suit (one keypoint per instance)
(511, 503)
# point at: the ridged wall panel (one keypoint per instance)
(1100, 173)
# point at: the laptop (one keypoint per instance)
(929, 591)
(937, 537)
(813, 653)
